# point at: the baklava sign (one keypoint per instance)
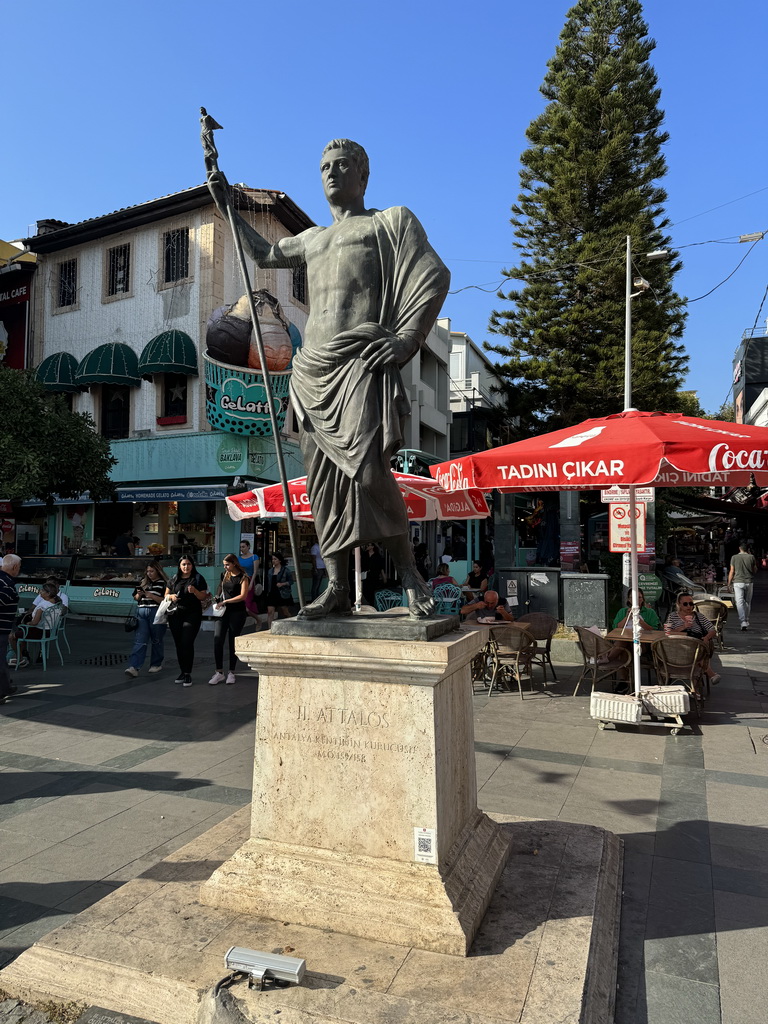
(236, 399)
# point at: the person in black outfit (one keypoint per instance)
(372, 564)
(279, 593)
(231, 597)
(187, 591)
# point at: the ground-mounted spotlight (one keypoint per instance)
(261, 967)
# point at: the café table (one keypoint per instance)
(647, 637)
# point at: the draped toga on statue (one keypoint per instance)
(351, 420)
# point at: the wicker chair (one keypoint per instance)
(681, 659)
(447, 599)
(717, 613)
(543, 627)
(388, 599)
(512, 651)
(593, 648)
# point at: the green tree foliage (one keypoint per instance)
(590, 178)
(46, 450)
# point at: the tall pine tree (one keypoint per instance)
(590, 178)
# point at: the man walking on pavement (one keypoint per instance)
(9, 602)
(740, 578)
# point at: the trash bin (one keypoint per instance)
(585, 598)
(531, 590)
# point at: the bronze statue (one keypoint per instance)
(375, 288)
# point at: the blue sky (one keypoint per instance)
(101, 111)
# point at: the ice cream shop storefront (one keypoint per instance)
(170, 502)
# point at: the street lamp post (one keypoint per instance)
(642, 285)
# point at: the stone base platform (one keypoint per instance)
(393, 624)
(544, 953)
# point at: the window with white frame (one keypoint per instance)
(175, 256)
(118, 271)
(65, 286)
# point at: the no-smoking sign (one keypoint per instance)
(619, 537)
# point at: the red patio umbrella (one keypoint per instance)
(424, 499)
(628, 449)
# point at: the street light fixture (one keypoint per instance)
(642, 285)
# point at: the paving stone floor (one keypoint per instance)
(102, 776)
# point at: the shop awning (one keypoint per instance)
(58, 372)
(113, 363)
(169, 352)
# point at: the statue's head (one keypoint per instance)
(356, 154)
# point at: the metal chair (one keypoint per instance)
(543, 627)
(593, 649)
(388, 599)
(681, 659)
(447, 599)
(716, 612)
(512, 650)
(50, 623)
(64, 589)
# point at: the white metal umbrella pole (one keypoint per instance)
(208, 126)
(632, 502)
(634, 586)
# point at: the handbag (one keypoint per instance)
(218, 610)
(131, 622)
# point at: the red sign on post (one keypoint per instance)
(619, 538)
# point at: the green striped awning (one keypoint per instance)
(169, 352)
(58, 372)
(113, 363)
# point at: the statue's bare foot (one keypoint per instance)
(421, 603)
(332, 601)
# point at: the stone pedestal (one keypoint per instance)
(364, 815)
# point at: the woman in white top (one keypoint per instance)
(51, 607)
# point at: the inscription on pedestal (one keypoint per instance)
(342, 721)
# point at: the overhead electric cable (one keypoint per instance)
(720, 207)
(749, 250)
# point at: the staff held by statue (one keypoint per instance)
(211, 155)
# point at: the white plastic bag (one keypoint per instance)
(161, 615)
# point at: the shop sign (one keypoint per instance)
(28, 588)
(619, 537)
(5, 508)
(230, 455)
(650, 584)
(18, 294)
(214, 492)
(237, 402)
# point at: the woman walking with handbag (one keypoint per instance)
(148, 595)
(229, 625)
(280, 594)
(187, 592)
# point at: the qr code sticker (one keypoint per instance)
(425, 845)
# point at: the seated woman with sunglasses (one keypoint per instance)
(685, 620)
